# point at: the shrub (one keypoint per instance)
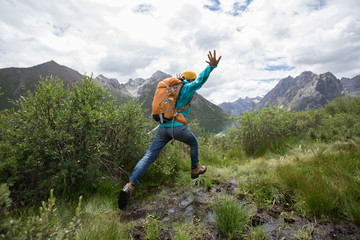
(42, 226)
(5, 202)
(66, 139)
(267, 129)
(337, 120)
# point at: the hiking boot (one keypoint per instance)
(197, 171)
(124, 196)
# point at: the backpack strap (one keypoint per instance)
(185, 107)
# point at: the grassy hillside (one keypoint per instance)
(276, 175)
(304, 194)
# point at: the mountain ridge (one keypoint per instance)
(351, 84)
(239, 106)
(14, 82)
(290, 93)
(304, 92)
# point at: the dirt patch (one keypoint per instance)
(194, 205)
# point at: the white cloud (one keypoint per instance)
(261, 41)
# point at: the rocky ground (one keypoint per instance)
(194, 205)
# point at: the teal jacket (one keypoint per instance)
(187, 92)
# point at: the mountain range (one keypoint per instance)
(306, 91)
(351, 84)
(14, 82)
(239, 106)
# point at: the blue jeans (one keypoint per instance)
(162, 137)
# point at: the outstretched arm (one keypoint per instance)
(203, 76)
(212, 59)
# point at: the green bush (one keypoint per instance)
(5, 202)
(336, 121)
(274, 129)
(164, 169)
(42, 226)
(66, 139)
(267, 129)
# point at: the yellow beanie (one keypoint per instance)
(189, 75)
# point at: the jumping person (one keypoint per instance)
(169, 130)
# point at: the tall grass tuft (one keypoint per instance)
(99, 230)
(181, 235)
(327, 184)
(258, 233)
(231, 218)
(100, 220)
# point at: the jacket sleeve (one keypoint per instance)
(200, 80)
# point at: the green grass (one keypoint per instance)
(182, 235)
(258, 233)
(231, 217)
(317, 179)
(100, 220)
(327, 183)
(152, 228)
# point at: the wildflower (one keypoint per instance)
(98, 150)
(282, 213)
(78, 161)
(38, 161)
(225, 158)
(94, 147)
(292, 212)
(287, 204)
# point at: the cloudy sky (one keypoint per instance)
(261, 41)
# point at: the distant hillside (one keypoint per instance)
(13, 80)
(240, 106)
(307, 91)
(352, 85)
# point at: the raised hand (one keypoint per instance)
(212, 59)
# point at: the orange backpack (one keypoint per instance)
(163, 106)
